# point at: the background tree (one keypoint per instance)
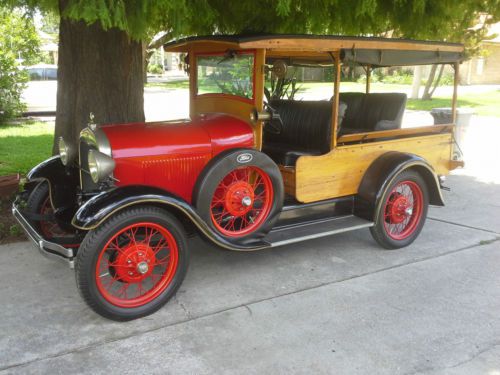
(19, 45)
(101, 54)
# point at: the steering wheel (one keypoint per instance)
(274, 125)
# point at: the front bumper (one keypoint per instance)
(48, 249)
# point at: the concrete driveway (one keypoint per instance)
(337, 305)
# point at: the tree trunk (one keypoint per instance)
(436, 82)
(100, 72)
(417, 77)
(432, 74)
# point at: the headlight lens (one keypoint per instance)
(93, 166)
(64, 151)
(100, 165)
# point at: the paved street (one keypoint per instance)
(337, 305)
(334, 305)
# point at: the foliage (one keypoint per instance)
(18, 45)
(229, 74)
(155, 69)
(443, 19)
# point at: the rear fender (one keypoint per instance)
(382, 172)
(102, 206)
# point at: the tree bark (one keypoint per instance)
(99, 71)
(417, 77)
(428, 84)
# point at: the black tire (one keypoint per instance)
(36, 202)
(220, 167)
(381, 231)
(95, 241)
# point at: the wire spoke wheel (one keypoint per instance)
(403, 210)
(241, 202)
(50, 229)
(137, 264)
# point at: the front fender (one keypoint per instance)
(102, 206)
(62, 181)
(382, 172)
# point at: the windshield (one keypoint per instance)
(230, 73)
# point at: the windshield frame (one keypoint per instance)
(251, 52)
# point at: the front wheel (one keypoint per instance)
(132, 265)
(401, 212)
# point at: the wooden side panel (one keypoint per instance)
(339, 172)
(288, 174)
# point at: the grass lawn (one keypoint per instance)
(179, 84)
(22, 146)
(484, 104)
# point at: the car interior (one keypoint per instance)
(306, 125)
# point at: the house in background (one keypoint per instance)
(484, 69)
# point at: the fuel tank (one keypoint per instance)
(171, 154)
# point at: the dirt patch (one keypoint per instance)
(10, 230)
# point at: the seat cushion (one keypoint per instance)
(306, 125)
(306, 130)
(369, 112)
(284, 156)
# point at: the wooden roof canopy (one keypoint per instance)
(372, 51)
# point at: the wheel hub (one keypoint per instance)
(400, 209)
(239, 198)
(135, 263)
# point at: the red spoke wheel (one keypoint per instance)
(240, 194)
(137, 264)
(132, 264)
(241, 201)
(402, 211)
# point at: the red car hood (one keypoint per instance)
(204, 134)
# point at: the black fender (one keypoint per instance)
(382, 172)
(63, 182)
(102, 206)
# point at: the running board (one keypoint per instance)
(315, 229)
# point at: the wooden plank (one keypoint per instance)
(456, 68)
(312, 44)
(339, 172)
(288, 175)
(358, 137)
(335, 101)
(303, 44)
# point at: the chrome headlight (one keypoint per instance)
(100, 165)
(66, 152)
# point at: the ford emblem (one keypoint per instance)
(244, 158)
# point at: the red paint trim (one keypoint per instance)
(136, 265)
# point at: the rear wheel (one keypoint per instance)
(402, 211)
(132, 264)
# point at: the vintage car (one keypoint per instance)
(244, 173)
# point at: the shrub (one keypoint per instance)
(19, 44)
(155, 69)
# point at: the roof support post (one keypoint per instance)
(456, 67)
(335, 101)
(368, 78)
